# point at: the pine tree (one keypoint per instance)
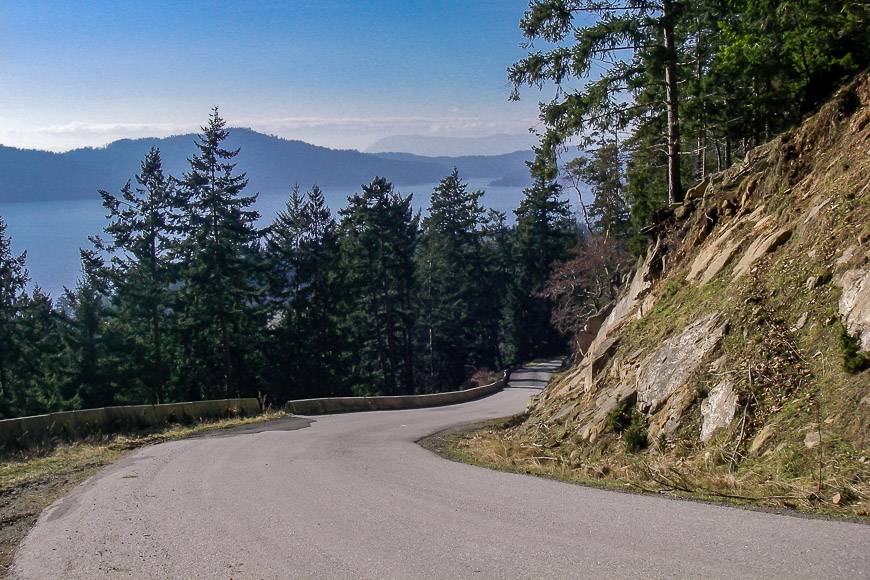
(141, 231)
(302, 250)
(379, 238)
(13, 279)
(221, 317)
(451, 272)
(544, 233)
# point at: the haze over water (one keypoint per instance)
(51, 232)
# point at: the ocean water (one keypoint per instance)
(51, 232)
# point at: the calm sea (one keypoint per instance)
(51, 232)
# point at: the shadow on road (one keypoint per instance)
(284, 424)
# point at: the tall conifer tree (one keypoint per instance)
(219, 292)
(141, 228)
(379, 237)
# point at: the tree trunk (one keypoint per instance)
(675, 191)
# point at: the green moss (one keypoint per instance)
(793, 463)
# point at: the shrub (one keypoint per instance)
(619, 418)
(634, 436)
(854, 361)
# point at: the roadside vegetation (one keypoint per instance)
(624, 469)
(661, 96)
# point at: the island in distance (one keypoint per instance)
(272, 164)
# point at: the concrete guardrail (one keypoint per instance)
(351, 404)
(23, 432)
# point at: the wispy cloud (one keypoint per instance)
(355, 132)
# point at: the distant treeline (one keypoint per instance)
(183, 297)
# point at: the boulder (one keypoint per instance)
(761, 438)
(801, 321)
(855, 305)
(663, 371)
(718, 409)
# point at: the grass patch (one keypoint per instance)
(32, 480)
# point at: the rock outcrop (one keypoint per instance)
(718, 409)
(730, 314)
(855, 304)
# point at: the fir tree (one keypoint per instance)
(219, 292)
(13, 279)
(451, 273)
(141, 231)
(544, 233)
(379, 237)
(302, 249)
(88, 380)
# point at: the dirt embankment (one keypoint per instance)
(735, 363)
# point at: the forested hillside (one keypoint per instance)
(182, 297)
(271, 162)
(730, 360)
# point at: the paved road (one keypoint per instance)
(352, 496)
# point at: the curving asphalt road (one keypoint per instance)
(352, 496)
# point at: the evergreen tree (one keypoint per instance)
(221, 316)
(88, 379)
(626, 44)
(451, 269)
(302, 250)
(40, 366)
(608, 213)
(141, 233)
(379, 237)
(13, 279)
(544, 233)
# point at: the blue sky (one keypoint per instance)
(333, 72)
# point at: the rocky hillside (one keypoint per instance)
(734, 363)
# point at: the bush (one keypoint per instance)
(619, 418)
(854, 361)
(634, 436)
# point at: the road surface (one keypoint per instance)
(353, 496)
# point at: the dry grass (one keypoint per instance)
(707, 479)
(32, 480)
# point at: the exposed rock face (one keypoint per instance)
(855, 304)
(718, 409)
(668, 367)
(761, 438)
(794, 216)
(640, 285)
(763, 244)
(713, 257)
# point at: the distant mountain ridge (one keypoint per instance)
(272, 164)
(436, 145)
